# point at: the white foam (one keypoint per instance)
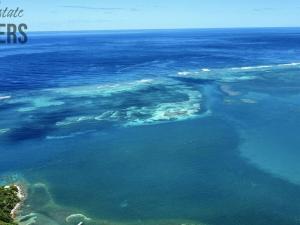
(71, 120)
(163, 112)
(109, 115)
(5, 130)
(290, 64)
(36, 102)
(72, 135)
(265, 66)
(254, 67)
(145, 81)
(232, 74)
(5, 97)
(184, 73)
(248, 101)
(60, 137)
(77, 219)
(105, 90)
(236, 78)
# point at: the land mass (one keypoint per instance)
(9, 202)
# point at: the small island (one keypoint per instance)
(10, 199)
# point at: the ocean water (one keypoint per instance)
(161, 127)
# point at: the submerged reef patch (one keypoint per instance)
(55, 112)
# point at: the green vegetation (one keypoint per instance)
(8, 200)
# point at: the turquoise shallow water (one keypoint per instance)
(172, 145)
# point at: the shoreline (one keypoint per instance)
(11, 200)
(21, 195)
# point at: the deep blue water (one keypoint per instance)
(154, 127)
